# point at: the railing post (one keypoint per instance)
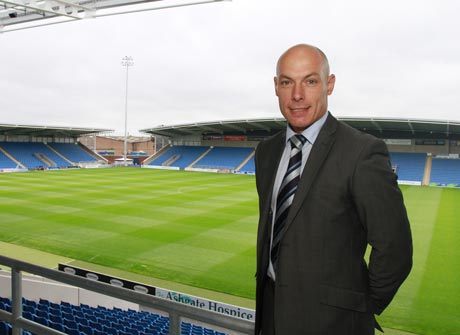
(16, 299)
(174, 323)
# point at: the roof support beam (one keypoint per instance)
(377, 125)
(232, 126)
(259, 125)
(409, 123)
(26, 14)
(55, 7)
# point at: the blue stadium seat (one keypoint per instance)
(71, 331)
(28, 315)
(43, 302)
(91, 317)
(110, 331)
(66, 304)
(42, 307)
(31, 303)
(56, 325)
(41, 313)
(96, 325)
(5, 328)
(70, 323)
(125, 323)
(41, 320)
(54, 311)
(100, 315)
(56, 318)
(82, 321)
(132, 331)
(85, 329)
(68, 316)
(66, 310)
(27, 308)
(55, 305)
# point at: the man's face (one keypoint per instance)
(302, 86)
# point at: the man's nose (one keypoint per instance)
(298, 93)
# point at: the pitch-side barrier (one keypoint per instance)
(175, 310)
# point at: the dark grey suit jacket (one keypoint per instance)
(347, 198)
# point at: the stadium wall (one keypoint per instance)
(116, 144)
(235, 143)
(436, 147)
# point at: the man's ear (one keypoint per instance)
(330, 84)
(275, 81)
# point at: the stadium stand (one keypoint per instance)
(249, 166)
(179, 156)
(73, 152)
(34, 154)
(224, 158)
(204, 157)
(408, 166)
(6, 162)
(445, 171)
(88, 320)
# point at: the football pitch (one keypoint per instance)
(199, 229)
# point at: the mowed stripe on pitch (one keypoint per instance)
(435, 310)
(173, 225)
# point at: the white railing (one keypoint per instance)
(175, 310)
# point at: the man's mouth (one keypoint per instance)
(299, 109)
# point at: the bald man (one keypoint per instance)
(326, 192)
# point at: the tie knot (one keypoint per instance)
(298, 141)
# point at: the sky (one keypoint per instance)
(211, 62)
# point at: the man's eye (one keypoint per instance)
(312, 82)
(285, 82)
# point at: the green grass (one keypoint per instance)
(199, 229)
(193, 228)
(427, 303)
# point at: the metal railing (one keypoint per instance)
(175, 310)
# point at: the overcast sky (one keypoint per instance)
(393, 58)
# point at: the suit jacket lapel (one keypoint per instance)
(318, 154)
(276, 151)
(273, 158)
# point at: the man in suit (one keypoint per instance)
(339, 195)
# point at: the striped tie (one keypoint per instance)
(286, 193)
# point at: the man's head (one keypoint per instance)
(302, 85)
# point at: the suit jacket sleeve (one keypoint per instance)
(381, 209)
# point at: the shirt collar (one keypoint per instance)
(311, 133)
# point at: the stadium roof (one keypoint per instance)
(24, 14)
(10, 129)
(380, 127)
